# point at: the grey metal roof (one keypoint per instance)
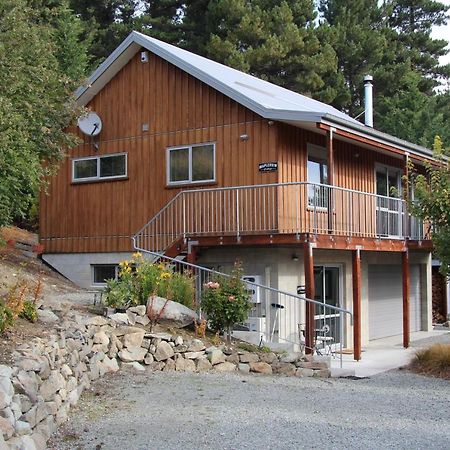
(266, 99)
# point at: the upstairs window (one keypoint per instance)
(317, 175)
(191, 164)
(99, 167)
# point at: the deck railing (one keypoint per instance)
(282, 314)
(282, 208)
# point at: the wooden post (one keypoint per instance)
(191, 257)
(309, 293)
(356, 278)
(406, 197)
(330, 180)
(405, 278)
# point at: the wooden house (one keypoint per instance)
(195, 158)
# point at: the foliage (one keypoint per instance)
(29, 311)
(6, 317)
(139, 279)
(434, 360)
(226, 301)
(36, 106)
(432, 202)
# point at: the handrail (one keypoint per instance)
(289, 207)
(332, 316)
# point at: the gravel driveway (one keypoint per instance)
(173, 410)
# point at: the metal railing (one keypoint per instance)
(283, 313)
(291, 208)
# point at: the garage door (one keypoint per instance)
(385, 300)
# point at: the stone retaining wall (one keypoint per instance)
(49, 375)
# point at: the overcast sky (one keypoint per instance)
(443, 33)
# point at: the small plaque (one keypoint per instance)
(268, 166)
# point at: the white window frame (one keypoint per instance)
(93, 266)
(189, 147)
(98, 177)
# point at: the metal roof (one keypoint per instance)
(266, 99)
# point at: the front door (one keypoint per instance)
(389, 212)
(328, 292)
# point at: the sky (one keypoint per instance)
(443, 33)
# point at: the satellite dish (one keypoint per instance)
(90, 124)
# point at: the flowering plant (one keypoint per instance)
(226, 301)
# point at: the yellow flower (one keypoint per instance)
(165, 275)
(161, 267)
(137, 255)
(124, 264)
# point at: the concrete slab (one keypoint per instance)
(387, 354)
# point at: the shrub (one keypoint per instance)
(225, 301)
(139, 279)
(6, 317)
(434, 360)
(29, 311)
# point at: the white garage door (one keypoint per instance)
(385, 300)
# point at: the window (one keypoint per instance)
(101, 273)
(99, 167)
(318, 176)
(191, 164)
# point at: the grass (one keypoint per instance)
(434, 361)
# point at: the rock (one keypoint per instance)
(291, 357)
(304, 373)
(132, 354)
(28, 364)
(203, 365)
(145, 343)
(28, 384)
(131, 317)
(184, 365)
(163, 351)
(174, 312)
(22, 428)
(249, 358)
(216, 357)
(52, 385)
(39, 441)
(170, 365)
(6, 428)
(245, 368)
(66, 371)
(160, 336)
(193, 355)
(282, 368)
(25, 403)
(312, 365)
(110, 365)
(101, 338)
(138, 310)
(225, 367)
(233, 358)
(269, 358)
(134, 339)
(323, 373)
(134, 366)
(5, 400)
(148, 359)
(6, 386)
(120, 318)
(196, 345)
(260, 367)
(157, 366)
(97, 320)
(142, 320)
(180, 348)
(47, 316)
(179, 340)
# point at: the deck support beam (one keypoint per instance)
(309, 293)
(406, 292)
(356, 281)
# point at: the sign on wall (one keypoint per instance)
(268, 166)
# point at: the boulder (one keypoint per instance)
(174, 312)
(216, 357)
(291, 357)
(97, 321)
(6, 428)
(282, 368)
(27, 384)
(120, 318)
(138, 310)
(52, 385)
(249, 357)
(163, 351)
(148, 359)
(5, 400)
(193, 355)
(203, 365)
(159, 336)
(134, 366)
(323, 373)
(233, 358)
(101, 338)
(260, 367)
(134, 339)
(225, 367)
(110, 365)
(47, 316)
(170, 365)
(132, 354)
(131, 317)
(304, 373)
(142, 320)
(244, 368)
(179, 340)
(196, 345)
(269, 358)
(157, 366)
(184, 365)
